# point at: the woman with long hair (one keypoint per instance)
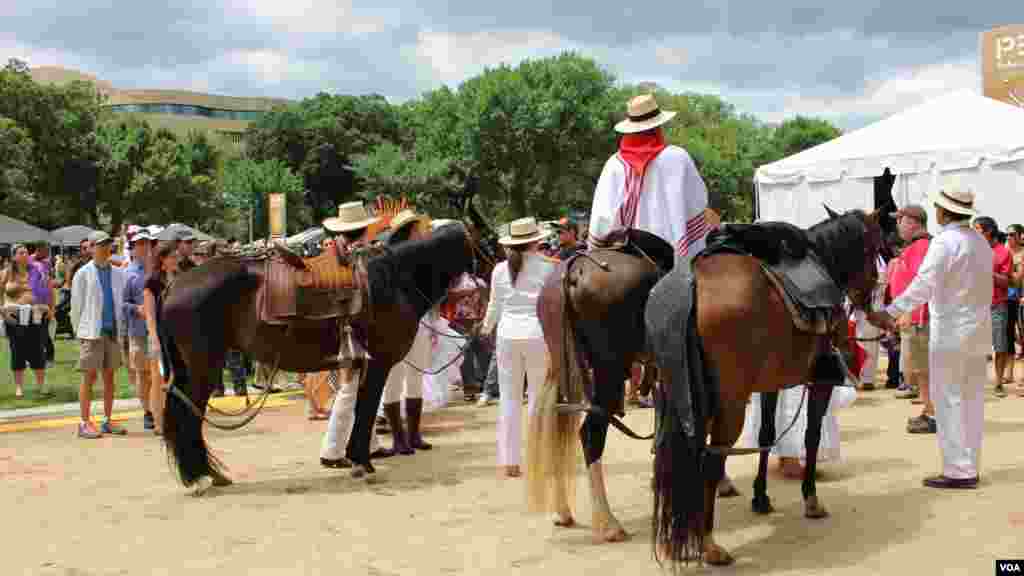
(23, 321)
(162, 265)
(515, 286)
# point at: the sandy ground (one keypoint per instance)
(112, 506)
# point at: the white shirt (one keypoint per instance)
(514, 308)
(955, 279)
(672, 201)
(87, 301)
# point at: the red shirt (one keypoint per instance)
(902, 272)
(1002, 263)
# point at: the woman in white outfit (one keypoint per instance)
(515, 287)
(407, 375)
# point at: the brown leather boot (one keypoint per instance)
(400, 443)
(414, 410)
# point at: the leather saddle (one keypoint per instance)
(318, 288)
(789, 262)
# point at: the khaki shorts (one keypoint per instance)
(915, 354)
(139, 353)
(101, 354)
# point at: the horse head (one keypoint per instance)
(849, 246)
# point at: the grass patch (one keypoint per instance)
(62, 379)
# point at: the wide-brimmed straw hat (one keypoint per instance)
(954, 196)
(643, 113)
(351, 216)
(405, 217)
(523, 231)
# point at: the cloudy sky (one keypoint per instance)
(851, 62)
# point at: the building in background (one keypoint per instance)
(180, 111)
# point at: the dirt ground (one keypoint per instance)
(112, 506)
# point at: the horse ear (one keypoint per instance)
(831, 213)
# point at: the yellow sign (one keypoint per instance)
(1002, 64)
(278, 217)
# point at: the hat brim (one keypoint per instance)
(628, 126)
(399, 223)
(338, 225)
(510, 241)
(938, 199)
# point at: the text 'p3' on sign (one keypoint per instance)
(1006, 567)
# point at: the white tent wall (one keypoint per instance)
(803, 203)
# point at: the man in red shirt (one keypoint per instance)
(913, 227)
(1002, 267)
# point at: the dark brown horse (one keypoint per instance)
(750, 343)
(214, 308)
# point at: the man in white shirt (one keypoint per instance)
(955, 279)
(651, 185)
(97, 293)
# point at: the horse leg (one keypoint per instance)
(725, 430)
(593, 435)
(367, 400)
(761, 503)
(821, 395)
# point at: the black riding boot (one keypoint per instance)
(414, 410)
(400, 443)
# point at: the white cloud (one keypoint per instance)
(886, 95)
(453, 58)
(297, 17)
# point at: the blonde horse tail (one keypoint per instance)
(553, 444)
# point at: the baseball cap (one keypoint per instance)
(140, 234)
(914, 211)
(99, 237)
(186, 236)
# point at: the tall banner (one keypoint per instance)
(277, 216)
(1002, 64)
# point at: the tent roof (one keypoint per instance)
(71, 235)
(951, 132)
(13, 231)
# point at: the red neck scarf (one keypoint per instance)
(636, 152)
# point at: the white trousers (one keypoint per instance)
(343, 414)
(867, 330)
(406, 378)
(957, 385)
(516, 358)
(792, 444)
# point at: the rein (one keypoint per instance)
(255, 409)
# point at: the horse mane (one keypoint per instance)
(840, 243)
(424, 269)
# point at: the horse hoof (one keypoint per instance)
(610, 535)
(564, 520)
(220, 481)
(764, 507)
(728, 491)
(717, 556)
(812, 509)
(203, 483)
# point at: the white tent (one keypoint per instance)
(977, 138)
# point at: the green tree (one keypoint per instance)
(16, 194)
(248, 182)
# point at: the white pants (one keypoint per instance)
(343, 414)
(792, 444)
(866, 330)
(957, 385)
(516, 358)
(406, 378)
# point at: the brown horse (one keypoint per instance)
(591, 310)
(749, 343)
(214, 307)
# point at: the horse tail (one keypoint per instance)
(679, 454)
(552, 450)
(187, 449)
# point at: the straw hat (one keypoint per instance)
(642, 113)
(351, 216)
(523, 231)
(405, 217)
(954, 196)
